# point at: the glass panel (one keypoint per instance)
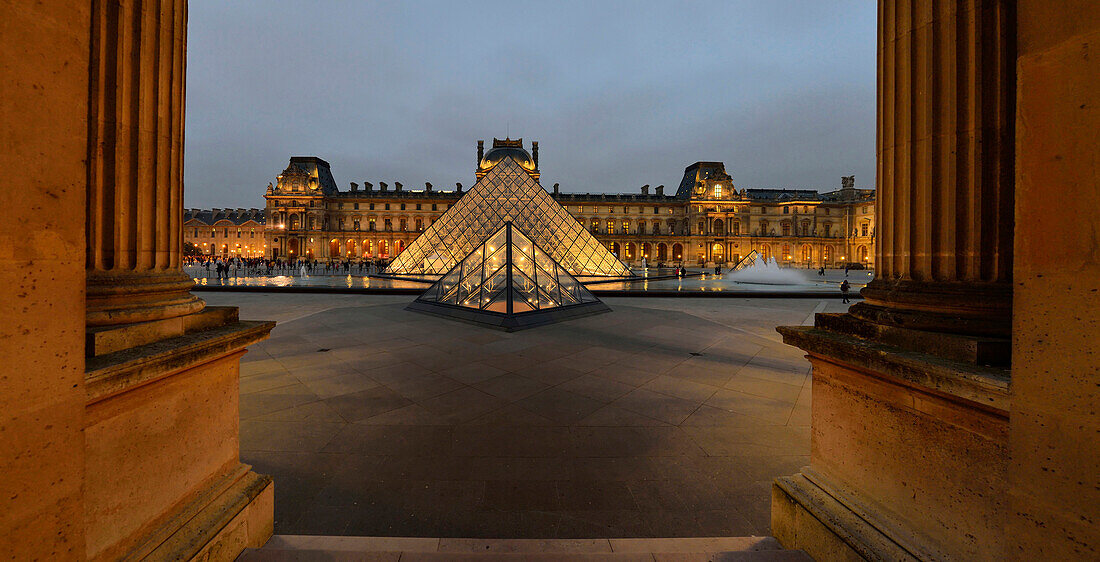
(505, 191)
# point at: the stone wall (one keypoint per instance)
(43, 142)
(1054, 474)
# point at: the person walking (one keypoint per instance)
(844, 288)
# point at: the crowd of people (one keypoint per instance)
(226, 267)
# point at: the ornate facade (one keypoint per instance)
(708, 220)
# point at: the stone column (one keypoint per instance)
(946, 126)
(135, 168)
(910, 397)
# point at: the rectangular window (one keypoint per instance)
(717, 191)
(387, 206)
(402, 206)
(355, 206)
(433, 206)
(372, 206)
(370, 224)
(656, 210)
(418, 206)
(389, 225)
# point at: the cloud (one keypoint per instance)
(619, 94)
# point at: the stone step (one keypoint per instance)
(309, 548)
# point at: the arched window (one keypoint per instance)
(861, 252)
(677, 252)
(827, 255)
(662, 252)
(807, 253)
(786, 252)
(719, 227)
(764, 252)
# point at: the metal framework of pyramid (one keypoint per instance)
(508, 282)
(507, 193)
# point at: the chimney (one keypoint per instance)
(480, 153)
(660, 189)
(427, 186)
(555, 185)
(368, 186)
(382, 186)
(535, 153)
(645, 189)
(458, 185)
(354, 186)
(397, 186)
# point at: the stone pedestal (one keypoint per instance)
(908, 454)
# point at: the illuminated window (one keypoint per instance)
(717, 191)
(370, 224)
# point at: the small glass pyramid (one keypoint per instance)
(507, 193)
(508, 282)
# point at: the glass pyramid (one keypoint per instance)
(507, 193)
(508, 282)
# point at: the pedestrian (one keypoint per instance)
(844, 288)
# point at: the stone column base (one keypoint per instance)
(809, 517)
(237, 513)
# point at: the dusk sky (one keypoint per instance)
(618, 94)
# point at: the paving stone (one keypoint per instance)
(455, 442)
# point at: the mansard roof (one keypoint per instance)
(210, 217)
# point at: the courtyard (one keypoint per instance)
(664, 418)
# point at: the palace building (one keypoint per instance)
(707, 220)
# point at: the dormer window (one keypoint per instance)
(718, 191)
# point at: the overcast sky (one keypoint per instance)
(618, 94)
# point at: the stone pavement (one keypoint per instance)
(663, 418)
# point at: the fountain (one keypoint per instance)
(767, 272)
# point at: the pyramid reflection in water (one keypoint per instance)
(508, 282)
